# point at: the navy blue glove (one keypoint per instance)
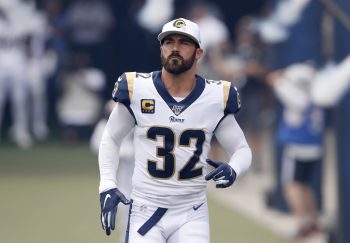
(109, 201)
(223, 174)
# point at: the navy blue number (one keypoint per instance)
(187, 172)
(166, 152)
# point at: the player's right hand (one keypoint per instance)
(109, 201)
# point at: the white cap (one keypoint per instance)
(183, 27)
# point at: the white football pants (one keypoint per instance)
(180, 225)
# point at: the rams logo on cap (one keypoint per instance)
(179, 23)
(147, 106)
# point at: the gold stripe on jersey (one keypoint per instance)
(226, 86)
(130, 78)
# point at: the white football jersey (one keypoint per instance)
(172, 139)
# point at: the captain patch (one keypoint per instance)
(147, 106)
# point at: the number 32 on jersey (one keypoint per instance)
(166, 152)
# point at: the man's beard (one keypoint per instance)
(178, 65)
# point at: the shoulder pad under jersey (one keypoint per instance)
(123, 88)
(232, 100)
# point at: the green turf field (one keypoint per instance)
(50, 195)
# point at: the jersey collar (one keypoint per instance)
(178, 107)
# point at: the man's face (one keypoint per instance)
(178, 53)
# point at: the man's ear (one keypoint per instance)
(199, 53)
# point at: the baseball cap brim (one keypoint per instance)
(162, 35)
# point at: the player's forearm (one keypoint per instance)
(240, 160)
(118, 126)
(232, 139)
(108, 160)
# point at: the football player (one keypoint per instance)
(174, 113)
(13, 71)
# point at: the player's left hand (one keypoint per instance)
(109, 201)
(223, 174)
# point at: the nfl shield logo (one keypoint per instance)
(177, 109)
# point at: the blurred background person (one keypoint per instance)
(300, 132)
(13, 71)
(42, 63)
(80, 103)
(289, 31)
